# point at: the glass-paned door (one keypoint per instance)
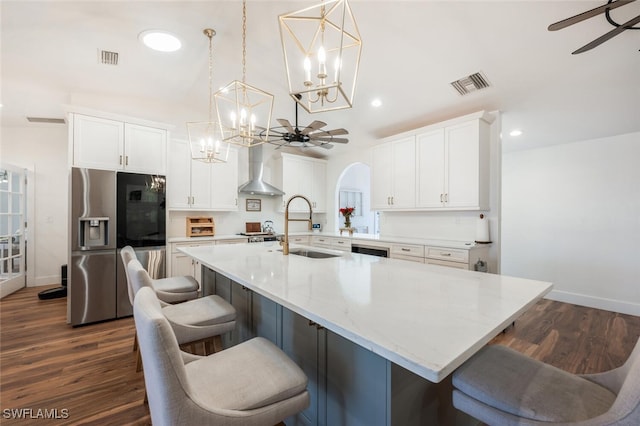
(12, 227)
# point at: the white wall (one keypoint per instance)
(571, 215)
(43, 151)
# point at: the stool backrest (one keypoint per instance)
(138, 277)
(128, 254)
(627, 404)
(164, 372)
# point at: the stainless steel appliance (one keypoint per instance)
(92, 262)
(108, 211)
(373, 250)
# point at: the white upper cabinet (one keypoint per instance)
(393, 175)
(453, 167)
(439, 167)
(299, 175)
(101, 143)
(195, 185)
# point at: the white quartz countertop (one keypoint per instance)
(428, 319)
(197, 239)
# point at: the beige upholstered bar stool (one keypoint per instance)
(169, 290)
(500, 386)
(251, 384)
(199, 320)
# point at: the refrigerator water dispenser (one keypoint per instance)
(94, 232)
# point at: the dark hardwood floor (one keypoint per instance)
(90, 371)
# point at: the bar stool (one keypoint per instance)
(252, 383)
(169, 290)
(500, 386)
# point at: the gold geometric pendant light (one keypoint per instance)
(206, 138)
(321, 46)
(244, 111)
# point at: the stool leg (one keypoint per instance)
(135, 342)
(217, 343)
(138, 360)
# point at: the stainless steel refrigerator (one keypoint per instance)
(108, 211)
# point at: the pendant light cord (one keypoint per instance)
(210, 33)
(244, 41)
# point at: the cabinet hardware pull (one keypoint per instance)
(313, 323)
(121, 160)
(446, 197)
(340, 242)
(405, 249)
(445, 254)
(126, 160)
(441, 198)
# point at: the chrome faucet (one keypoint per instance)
(285, 243)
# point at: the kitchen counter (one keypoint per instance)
(428, 319)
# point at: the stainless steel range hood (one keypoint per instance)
(256, 186)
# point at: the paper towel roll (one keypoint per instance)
(482, 230)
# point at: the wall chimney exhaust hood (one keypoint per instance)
(256, 186)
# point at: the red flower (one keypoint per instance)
(347, 211)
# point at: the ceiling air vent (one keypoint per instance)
(45, 120)
(470, 84)
(108, 58)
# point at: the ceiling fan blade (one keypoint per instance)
(320, 144)
(313, 126)
(607, 36)
(285, 123)
(336, 132)
(331, 139)
(586, 15)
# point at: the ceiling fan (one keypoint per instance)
(310, 136)
(611, 4)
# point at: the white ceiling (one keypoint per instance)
(412, 50)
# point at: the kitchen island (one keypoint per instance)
(387, 324)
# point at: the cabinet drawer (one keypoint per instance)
(175, 246)
(321, 241)
(409, 258)
(448, 263)
(453, 255)
(341, 244)
(407, 250)
(232, 241)
(300, 239)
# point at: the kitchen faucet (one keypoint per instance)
(285, 242)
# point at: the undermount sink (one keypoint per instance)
(311, 253)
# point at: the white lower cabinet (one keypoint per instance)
(347, 383)
(181, 264)
(457, 258)
(412, 252)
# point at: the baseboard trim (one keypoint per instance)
(595, 302)
(46, 280)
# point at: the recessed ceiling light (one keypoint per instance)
(515, 132)
(159, 40)
(376, 103)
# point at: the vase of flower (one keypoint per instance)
(347, 212)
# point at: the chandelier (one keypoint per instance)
(321, 46)
(206, 138)
(244, 112)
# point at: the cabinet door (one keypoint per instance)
(201, 184)
(264, 318)
(97, 143)
(300, 341)
(179, 175)
(381, 177)
(241, 300)
(430, 155)
(297, 180)
(462, 158)
(404, 174)
(319, 185)
(145, 149)
(224, 184)
(356, 384)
